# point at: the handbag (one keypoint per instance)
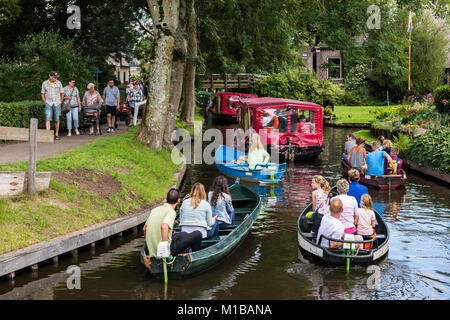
(66, 106)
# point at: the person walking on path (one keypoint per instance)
(52, 94)
(92, 102)
(134, 96)
(111, 98)
(72, 98)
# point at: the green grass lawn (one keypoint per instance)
(359, 114)
(103, 180)
(366, 135)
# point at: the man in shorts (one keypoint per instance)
(52, 94)
(111, 98)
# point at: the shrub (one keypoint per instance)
(327, 111)
(442, 98)
(357, 77)
(18, 114)
(432, 150)
(403, 142)
(300, 85)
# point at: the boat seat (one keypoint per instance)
(228, 227)
(235, 199)
(308, 235)
(210, 241)
(241, 211)
(380, 236)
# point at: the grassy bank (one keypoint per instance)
(188, 127)
(366, 135)
(103, 180)
(358, 114)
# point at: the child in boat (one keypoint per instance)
(220, 200)
(257, 154)
(387, 146)
(196, 213)
(320, 204)
(395, 167)
(365, 218)
(381, 140)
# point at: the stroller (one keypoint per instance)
(91, 117)
(124, 114)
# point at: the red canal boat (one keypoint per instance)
(226, 105)
(293, 129)
(384, 182)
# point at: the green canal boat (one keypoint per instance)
(247, 205)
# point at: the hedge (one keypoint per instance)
(18, 114)
(298, 84)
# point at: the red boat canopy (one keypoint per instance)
(272, 102)
(299, 121)
(226, 105)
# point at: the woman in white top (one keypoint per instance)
(196, 212)
(350, 205)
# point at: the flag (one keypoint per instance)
(410, 25)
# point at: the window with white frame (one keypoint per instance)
(334, 69)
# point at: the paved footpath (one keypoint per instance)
(20, 151)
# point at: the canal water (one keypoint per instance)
(268, 264)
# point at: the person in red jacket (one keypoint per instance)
(303, 126)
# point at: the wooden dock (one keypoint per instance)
(229, 81)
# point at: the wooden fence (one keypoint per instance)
(229, 81)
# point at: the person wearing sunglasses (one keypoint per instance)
(72, 98)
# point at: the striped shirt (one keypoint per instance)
(52, 92)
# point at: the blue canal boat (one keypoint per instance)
(263, 173)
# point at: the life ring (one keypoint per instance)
(275, 122)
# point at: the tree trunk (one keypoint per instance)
(188, 111)
(165, 15)
(176, 84)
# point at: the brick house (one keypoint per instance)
(122, 67)
(315, 56)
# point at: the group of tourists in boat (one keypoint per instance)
(340, 225)
(200, 217)
(381, 168)
(349, 212)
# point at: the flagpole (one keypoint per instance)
(409, 51)
(409, 66)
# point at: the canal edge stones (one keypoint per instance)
(31, 256)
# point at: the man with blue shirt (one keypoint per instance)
(375, 160)
(111, 98)
(355, 189)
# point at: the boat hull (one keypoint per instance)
(335, 257)
(384, 182)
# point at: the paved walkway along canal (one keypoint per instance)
(13, 152)
(268, 264)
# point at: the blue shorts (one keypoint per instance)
(52, 111)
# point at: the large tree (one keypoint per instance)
(188, 111)
(165, 17)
